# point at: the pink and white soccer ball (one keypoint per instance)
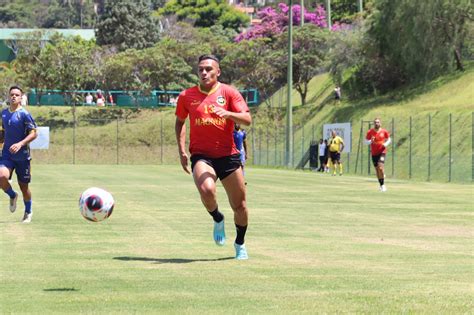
(96, 204)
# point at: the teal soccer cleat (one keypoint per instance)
(219, 233)
(241, 252)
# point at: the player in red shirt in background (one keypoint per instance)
(213, 108)
(379, 139)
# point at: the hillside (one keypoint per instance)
(448, 95)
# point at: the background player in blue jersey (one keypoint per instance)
(239, 139)
(19, 130)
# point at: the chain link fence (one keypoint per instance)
(437, 147)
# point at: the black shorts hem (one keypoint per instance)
(376, 159)
(223, 166)
(335, 156)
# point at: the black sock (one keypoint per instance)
(239, 240)
(216, 215)
(381, 180)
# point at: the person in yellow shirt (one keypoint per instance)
(336, 145)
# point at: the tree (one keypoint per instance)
(275, 21)
(127, 24)
(255, 64)
(8, 76)
(415, 42)
(28, 64)
(163, 70)
(148, 69)
(64, 63)
(16, 14)
(61, 64)
(48, 14)
(343, 11)
(454, 23)
(346, 52)
(310, 55)
(206, 13)
(190, 42)
(122, 72)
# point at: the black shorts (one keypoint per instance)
(223, 166)
(376, 159)
(335, 156)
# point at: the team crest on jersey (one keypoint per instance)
(220, 100)
(195, 103)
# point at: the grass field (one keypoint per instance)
(317, 244)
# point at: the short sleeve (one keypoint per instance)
(181, 110)
(237, 104)
(29, 122)
(368, 135)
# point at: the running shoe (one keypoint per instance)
(219, 233)
(240, 252)
(13, 203)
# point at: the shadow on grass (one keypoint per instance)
(168, 260)
(61, 290)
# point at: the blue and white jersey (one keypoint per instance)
(16, 125)
(239, 137)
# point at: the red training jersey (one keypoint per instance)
(210, 134)
(377, 147)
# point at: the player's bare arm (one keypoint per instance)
(242, 118)
(180, 130)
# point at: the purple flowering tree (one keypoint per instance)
(275, 21)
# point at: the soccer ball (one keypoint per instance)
(96, 204)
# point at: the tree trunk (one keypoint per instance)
(457, 56)
(303, 98)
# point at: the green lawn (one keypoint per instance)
(317, 244)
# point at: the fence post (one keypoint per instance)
(409, 155)
(393, 147)
(302, 144)
(275, 143)
(450, 143)
(117, 140)
(358, 148)
(74, 140)
(161, 140)
(429, 147)
(253, 145)
(260, 147)
(293, 137)
(283, 149)
(268, 147)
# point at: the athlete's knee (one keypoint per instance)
(207, 191)
(240, 207)
(4, 173)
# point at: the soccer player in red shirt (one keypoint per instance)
(213, 108)
(379, 139)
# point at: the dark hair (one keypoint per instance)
(15, 87)
(205, 57)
